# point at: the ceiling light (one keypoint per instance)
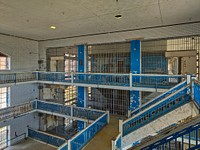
(53, 27)
(118, 16)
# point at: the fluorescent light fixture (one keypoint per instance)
(53, 27)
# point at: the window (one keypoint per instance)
(4, 137)
(70, 95)
(4, 97)
(4, 62)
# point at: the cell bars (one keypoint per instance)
(109, 58)
(66, 60)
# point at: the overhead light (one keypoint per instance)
(53, 27)
(118, 16)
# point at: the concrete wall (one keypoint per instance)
(175, 116)
(23, 53)
(24, 57)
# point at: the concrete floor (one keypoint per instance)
(30, 144)
(102, 141)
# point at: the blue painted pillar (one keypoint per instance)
(81, 90)
(135, 68)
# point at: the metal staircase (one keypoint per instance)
(176, 104)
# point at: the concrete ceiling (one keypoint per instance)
(32, 18)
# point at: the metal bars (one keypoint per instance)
(181, 139)
(169, 103)
(160, 97)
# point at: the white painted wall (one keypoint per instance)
(23, 53)
(24, 57)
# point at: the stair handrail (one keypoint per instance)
(158, 98)
(151, 107)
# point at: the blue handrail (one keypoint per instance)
(179, 136)
(83, 137)
(166, 105)
(196, 94)
(44, 137)
(104, 79)
(158, 98)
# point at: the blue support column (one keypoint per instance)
(81, 90)
(135, 68)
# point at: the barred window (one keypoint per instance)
(4, 97)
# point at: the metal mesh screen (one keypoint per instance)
(109, 58)
(70, 59)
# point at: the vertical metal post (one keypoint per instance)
(108, 120)
(113, 144)
(129, 113)
(130, 80)
(192, 94)
(72, 112)
(69, 144)
(188, 78)
(135, 68)
(81, 90)
(72, 77)
(121, 126)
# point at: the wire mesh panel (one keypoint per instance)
(70, 64)
(109, 58)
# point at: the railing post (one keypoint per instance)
(120, 126)
(71, 111)
(129, 113)
(72, 77)
(69, 144)
(108, 120)
(37, 75)
(188, 78)
(130, 80)
(192, 94)
(113, 144)
(15, 75)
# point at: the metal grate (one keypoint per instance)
(109, 58)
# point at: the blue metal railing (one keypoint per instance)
(6, 78)
(177, 140)
(155, 81)
(85, 113)
(63, 147)
(54, 108)
(196, 94)
(83, 137)
(16, 111)
(38, 105)
(117, 143)
(78, 112)
(44, 137)
(158, 98)
(104, 79)
(54, 76)
(166, 105)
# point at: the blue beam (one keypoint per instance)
(81, 93)
(135, 68)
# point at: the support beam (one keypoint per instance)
(81, 90)
(135, 68)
